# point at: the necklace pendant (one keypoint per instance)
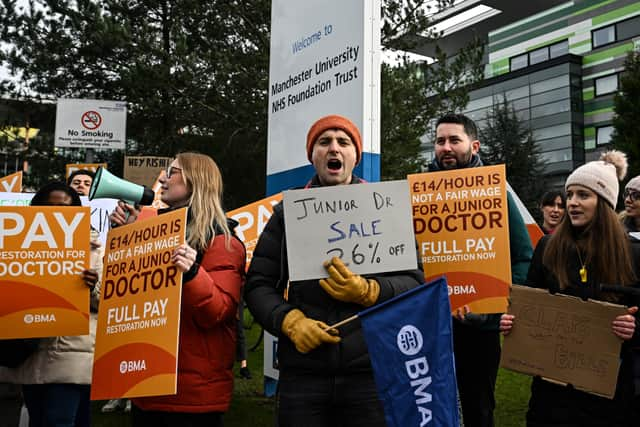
(583, 275)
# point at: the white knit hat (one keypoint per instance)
(633, 184)
(601, 176)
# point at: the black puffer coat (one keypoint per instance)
(264, 295)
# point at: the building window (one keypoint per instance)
(520, 61)
(606, 84)
(559, 49)
(603, 36)
(539, 55)
(603, 135)
(628, 29)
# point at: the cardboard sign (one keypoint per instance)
(11, 183)
(43, 251)
(252, 219)
(92, 167)
(367, 225)
(144, 170)
(564, 339)
(139, 318)
(462, 227)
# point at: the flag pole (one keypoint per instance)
(342, 322)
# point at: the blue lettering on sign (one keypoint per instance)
(357, 230)
(306, 41)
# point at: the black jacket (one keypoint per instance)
(587, 408)
(264, 295)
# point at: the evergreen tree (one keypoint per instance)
(414, 95)
(506, 140)
(195, 77)
(626, 135)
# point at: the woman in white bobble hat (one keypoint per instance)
(589, 247)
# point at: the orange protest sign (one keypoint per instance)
(11, 183)
(139, 319)
(252, 219)
(462, 227)
(92, 167)
(43, 251)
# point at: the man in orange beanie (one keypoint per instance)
(325, 375)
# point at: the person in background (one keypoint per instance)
(325, 379)
(631, 215)
(552, 206)
(56, 379)
(476, 337)
(212, 262)
(81, 180)
(588, 248)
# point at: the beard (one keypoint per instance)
(461, 160)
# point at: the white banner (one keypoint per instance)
(90, 123)
(100, 209)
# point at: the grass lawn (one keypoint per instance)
(250, 408)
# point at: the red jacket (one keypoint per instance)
(208, 325)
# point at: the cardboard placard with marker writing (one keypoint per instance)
(368, 226)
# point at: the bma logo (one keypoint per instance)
(409, 340)
(132, 366)
(39, 318)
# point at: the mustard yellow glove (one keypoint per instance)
(345, 286)
(307, 334)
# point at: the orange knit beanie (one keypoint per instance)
(334, 122)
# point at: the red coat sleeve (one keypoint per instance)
(214, 292)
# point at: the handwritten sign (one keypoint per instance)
(367, 225)
(139, 317)
(11, 183)
(252, 219)
(144, 170)
(564, 339)
(43, 251)
(462, 227)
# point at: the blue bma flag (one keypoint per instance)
(410, 345)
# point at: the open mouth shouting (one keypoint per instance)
(334, 165)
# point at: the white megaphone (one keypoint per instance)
(105, 185)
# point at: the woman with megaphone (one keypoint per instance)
(213, 263)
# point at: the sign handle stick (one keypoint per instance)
(342, 322)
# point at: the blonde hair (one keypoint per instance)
(204, 182)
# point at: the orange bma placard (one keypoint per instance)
(252, 219)
(139, 318)
(11, 183)
(462, 228)
(43, 251)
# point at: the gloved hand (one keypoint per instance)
(307, 334)
(345, 286)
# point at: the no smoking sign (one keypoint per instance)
(91, 120)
